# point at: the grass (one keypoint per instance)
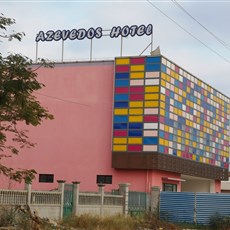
(22, 219)
(118, 222)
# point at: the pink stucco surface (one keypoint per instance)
(76, 145)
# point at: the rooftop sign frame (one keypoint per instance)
(94, 33)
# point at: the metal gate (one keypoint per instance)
(139, 202)
(68, 200)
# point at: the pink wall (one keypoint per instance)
(218, 186)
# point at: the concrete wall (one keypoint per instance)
(76, 145)
(46, 211)
(95, 210)
(199, 185)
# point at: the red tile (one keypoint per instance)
(134, 147)
(136, 97)
(137, 89)
(150, 118)
(136, 61)
(121, 90)
(122, 68)
(119, 133)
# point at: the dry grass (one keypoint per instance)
(118, 222)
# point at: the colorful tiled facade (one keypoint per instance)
(161, 108)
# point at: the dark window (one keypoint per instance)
(104, 179)
(46, 178)
(169, 187)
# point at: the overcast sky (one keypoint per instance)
(202, 47)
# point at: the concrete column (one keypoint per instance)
(76, 191)
(212, 186)
(154, 199)
(101, 191)
(28, 187)
(61, 188)
(124, 191)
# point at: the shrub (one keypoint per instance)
(218, 222)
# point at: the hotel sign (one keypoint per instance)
(80, 34)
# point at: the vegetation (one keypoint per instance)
(22, 218)
(18, 105)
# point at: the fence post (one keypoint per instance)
(76, 191)
(195, 208)
(101, 191)
(124, 191)
(61, 188)
(28, 187)
(155, 199)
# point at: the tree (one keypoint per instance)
(18, 82)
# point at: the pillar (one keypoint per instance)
(61, 189)
(124, 191)
(101, 191)
(154, 199)
(28, 187)
(76, 191)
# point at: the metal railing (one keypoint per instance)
(43, 198)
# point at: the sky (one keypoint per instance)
(193, 34)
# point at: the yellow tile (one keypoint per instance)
(161, 141)
(166, 128)
(119, 148)
(180, 99)
(151, 104)
(136, 103)
(137, 67)
(162, 112)
(163, 76)
(118, 140)
(134, 140)
(120, 111)
(176, 75)
(135, 118)
(168, 78)
(136, 75)
(136, 111)
(166, 143)
(162, 97)
(151, 96)
(122, 61)
(162, 105)
(152, 89)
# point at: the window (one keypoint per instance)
(169, 187)
(104, 179)
(46, 178)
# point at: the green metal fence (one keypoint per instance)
(139, 202)
(68, 200)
